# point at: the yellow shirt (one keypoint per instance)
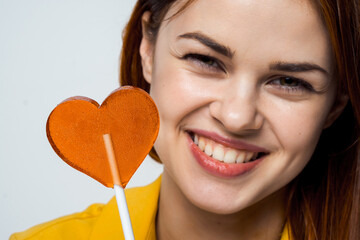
(102, 222)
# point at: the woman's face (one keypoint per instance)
(244, 90)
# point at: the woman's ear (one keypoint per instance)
(336, 110)
(146, 49)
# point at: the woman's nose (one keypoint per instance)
(237, 110)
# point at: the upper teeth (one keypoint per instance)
(222, 153)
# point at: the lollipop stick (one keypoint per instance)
(119, 191)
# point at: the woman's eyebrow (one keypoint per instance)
(224, 50)
(209, 42)
(297, 67)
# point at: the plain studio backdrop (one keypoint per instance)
(51, 50)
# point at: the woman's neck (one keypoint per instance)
(179, 219)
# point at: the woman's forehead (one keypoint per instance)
(286, 28)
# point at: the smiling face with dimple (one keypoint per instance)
(244, 90)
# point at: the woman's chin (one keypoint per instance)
(214, 197)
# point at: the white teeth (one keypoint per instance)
(230, 156)
(196, 139)
(208, 150)
(241, 157)
(218, 153)
(249, 155)
(201, 144)
(222, 153)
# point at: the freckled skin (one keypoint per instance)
(244, 99)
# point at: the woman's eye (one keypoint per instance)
(291, 84)
(204, 61)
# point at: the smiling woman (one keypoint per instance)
(245, 90)
(259, 120)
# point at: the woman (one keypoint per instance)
(258, 105)
(275, 75)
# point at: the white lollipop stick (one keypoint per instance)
(119, 191)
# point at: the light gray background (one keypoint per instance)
(51, 50)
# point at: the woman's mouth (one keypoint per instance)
(222, 157)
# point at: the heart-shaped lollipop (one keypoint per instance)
(75, 130)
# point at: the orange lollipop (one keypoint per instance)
(75, 130)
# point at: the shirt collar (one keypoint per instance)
(142, 203)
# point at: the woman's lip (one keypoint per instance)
(218, 168)
(232, 143)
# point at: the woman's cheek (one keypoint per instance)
(298, 126)
(176, 91)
